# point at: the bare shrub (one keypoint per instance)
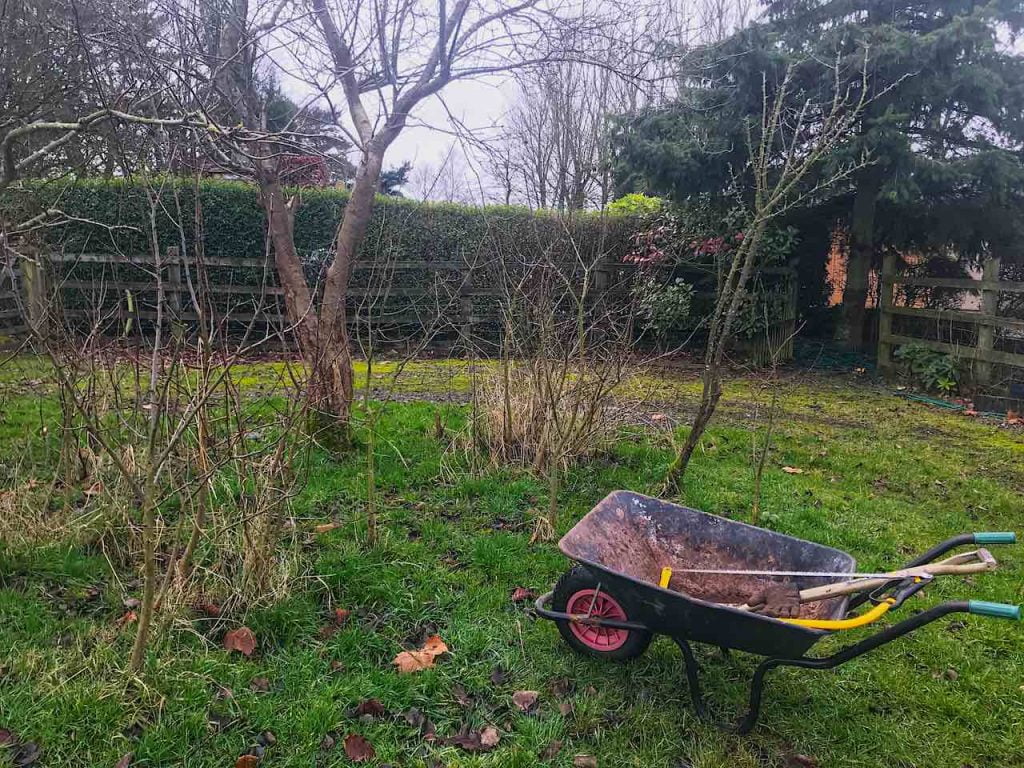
(565, 350)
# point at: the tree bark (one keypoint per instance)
(331, 376)
(852, 328)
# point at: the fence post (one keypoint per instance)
(174, 282)
(885, 299)
(35, 278)
(989, 306)
(466, 305)
(793, 310)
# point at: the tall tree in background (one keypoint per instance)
(945, 139)
(950, 127)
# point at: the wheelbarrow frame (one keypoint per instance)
(901, 590)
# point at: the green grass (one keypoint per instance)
(883, 478)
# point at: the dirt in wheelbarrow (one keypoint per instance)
(641, 554)
(731, 589)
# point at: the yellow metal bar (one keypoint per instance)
(857, 621)
(666, 577)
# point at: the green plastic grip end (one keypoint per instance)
(995, 537)
(996, 610)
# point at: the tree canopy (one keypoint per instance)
(944, 133)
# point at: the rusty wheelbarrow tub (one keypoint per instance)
(610, 605)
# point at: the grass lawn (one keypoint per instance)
(882, 478)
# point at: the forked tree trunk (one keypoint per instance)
(325, 352)
(323, 335)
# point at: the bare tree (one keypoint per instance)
(387, 59)
(782, 150)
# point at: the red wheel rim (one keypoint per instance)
(590, 602)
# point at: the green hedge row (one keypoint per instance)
(113, 216)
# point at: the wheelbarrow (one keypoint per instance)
(611, 604)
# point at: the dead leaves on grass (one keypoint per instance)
(358, 749)
(525, 701)
(22, 753)
(424, 658)
(484, 740)
(339, 616)
(370, 708)
(242, 640)
(792, 470)
(523, 594)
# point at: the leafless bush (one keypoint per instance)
(566, 348)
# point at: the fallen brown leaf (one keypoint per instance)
(212, 610)
(489, 737)
(526, 701)
(584, 761)
(522, 595)
(341, 615)
(498, 676)
(26, 753)
(800, 761)
(242, 640)
(247, 761)
(414, 661)
(358, 749)
(483, 740)
(792, 470)
(6, 737)
(551, 750)
(259, 684)
(562, 686)
(125, 761)
(128, 617)
(326, 527)
(462, 696)
(370, 707)
(565, 708)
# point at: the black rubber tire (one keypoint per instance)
(572, 581)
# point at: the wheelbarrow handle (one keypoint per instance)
(963, 539)
(995, 610)
(887, 635)
(981, 537)
(995, 537)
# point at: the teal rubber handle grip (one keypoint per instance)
(995, 537)
(996, 610)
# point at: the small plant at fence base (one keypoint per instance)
(930, 369)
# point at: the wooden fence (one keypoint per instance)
(12, 308)
(981, 325)
(118, 292)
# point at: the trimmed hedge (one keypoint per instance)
(234, 223)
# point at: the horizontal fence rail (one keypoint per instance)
(983, 323)
(120, 293)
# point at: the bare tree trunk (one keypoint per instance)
(858, 263)
(331, 376)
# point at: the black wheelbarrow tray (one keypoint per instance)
(611, 604)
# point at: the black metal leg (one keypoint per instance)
(749, 720)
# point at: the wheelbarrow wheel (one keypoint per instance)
(580, 592)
